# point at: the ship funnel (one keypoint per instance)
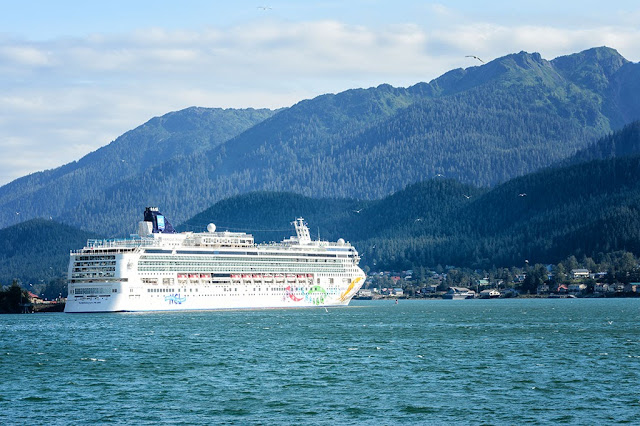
(160, 224)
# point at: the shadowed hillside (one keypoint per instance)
(481, 125)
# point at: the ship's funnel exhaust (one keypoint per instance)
(160, 223)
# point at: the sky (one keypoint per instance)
(75, 75)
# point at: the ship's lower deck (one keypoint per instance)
(126, 296)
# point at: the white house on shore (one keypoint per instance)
(580, 273)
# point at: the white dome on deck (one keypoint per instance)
(340, 242)
(211, 228)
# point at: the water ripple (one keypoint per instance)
(441, 362)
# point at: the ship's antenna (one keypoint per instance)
(318, 233)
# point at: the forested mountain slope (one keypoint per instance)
(37, 251)
(54, 193)
(582, 210)
(543, 217)
(482, 125)
(619, 144)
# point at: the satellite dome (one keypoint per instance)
(340, 242)
(211, 228)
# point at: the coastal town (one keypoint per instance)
(451, 283)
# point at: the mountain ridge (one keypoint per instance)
(482, 125)
(585, 209)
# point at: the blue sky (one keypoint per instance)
(74, 75)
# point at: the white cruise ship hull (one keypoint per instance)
(182, 301)
(211, 271)
(198, 296)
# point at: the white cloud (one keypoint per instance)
(63, 98)
(24, 55)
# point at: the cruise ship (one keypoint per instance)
(159, 269)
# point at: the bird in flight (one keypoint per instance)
(418, 220)
(264, 7)
(522, 195)
(475, 57)
(466, 196)
(357, 211)
(439, 175)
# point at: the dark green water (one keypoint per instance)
(419, 362)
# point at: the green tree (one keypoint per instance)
(570, 263)
(536, 276)
(559, 273)
(13, 298)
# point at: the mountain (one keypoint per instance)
(618, 144)
(586, 209)
(482, 125)
(57, 192)
(583, 210)
(37, 250)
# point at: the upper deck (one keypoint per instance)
(149, 237)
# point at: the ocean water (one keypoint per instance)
(536, 361)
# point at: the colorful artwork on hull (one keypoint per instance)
(290, 295)
(175, 299)
(343, 296)
(316, 295)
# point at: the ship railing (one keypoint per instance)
(119, 243)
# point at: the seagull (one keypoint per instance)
(466, 196)
(357, 211)
(264, 7)
(418, 220)
(522, 195)
(475, 57)
(439, 175)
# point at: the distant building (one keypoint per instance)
(618, 287)
(35, 298)
(490, 293)
(459, 293)
(580, 273)
(365, 292)
(601, 288)
(577, 288)
(429, 289)
(543, 289)
(398, 291)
